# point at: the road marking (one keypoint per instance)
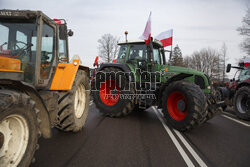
(228, 114)
(175, 141)
(91, 102)
(186, 144)
(191, 150)
(235, 120)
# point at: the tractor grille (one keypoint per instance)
(198, 80)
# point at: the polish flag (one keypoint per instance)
(166, 37)
(247, 63)
(147, 32)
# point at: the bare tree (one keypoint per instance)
(223, 59)
(187, 61)
(107, 47)
(245, 31)
(206, 60)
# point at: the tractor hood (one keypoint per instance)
(183, 70)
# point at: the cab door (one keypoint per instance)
(157, 63)
(46, 55)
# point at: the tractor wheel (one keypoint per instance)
(111, 96)
(183, 105)
(242, 103)
(18, 129)
(73, 106)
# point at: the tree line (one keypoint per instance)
(210, 61)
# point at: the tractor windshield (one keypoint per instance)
(137, 54)
(18, 43)
(122, 54)
(244, 74)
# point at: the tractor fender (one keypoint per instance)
(243, 83)
(84, 68)
(43, 115)
(64, 76)
(177, 77)
(123, 67)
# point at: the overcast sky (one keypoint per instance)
(196, 24)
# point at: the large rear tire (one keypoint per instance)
(183, 105)
(242, 103)
(108, 93)
(73, 106)
(18, 129)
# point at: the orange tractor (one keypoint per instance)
(39, 87)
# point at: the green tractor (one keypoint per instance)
(141, 78)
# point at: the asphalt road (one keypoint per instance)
(143, 139)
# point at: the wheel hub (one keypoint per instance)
(243, 103)
(14, 136)
(248, 103)
(181, 105)
(80, 101)
(177, 105)
(109, 92)
(1, 140)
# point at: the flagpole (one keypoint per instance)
(172, 45)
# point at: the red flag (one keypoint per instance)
(96, 60)
(147, 32)
(247, 63)
(166, 37)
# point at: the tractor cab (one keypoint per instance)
(138, 54)
(243, 70)
(31, 44)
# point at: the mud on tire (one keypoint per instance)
(211, 109)
(73, 106)
(17, 118)
(118, 106)
(183, 105)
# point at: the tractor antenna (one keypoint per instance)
(126, 36)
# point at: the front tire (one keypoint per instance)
(73, 106)
(18, 129)
(183, 105)
(107, 93)
(242, 103)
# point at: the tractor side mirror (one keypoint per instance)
(70, 33)
(63, 32)
(228, 68)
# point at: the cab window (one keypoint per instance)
(4, 37)
(244, 74)
(47, 51)
(21, 40)
(63, 57)
(137, 52)
(122, 54)
(157, 56)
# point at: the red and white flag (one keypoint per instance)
(166, 37)
(247, 63)
(147, 32)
